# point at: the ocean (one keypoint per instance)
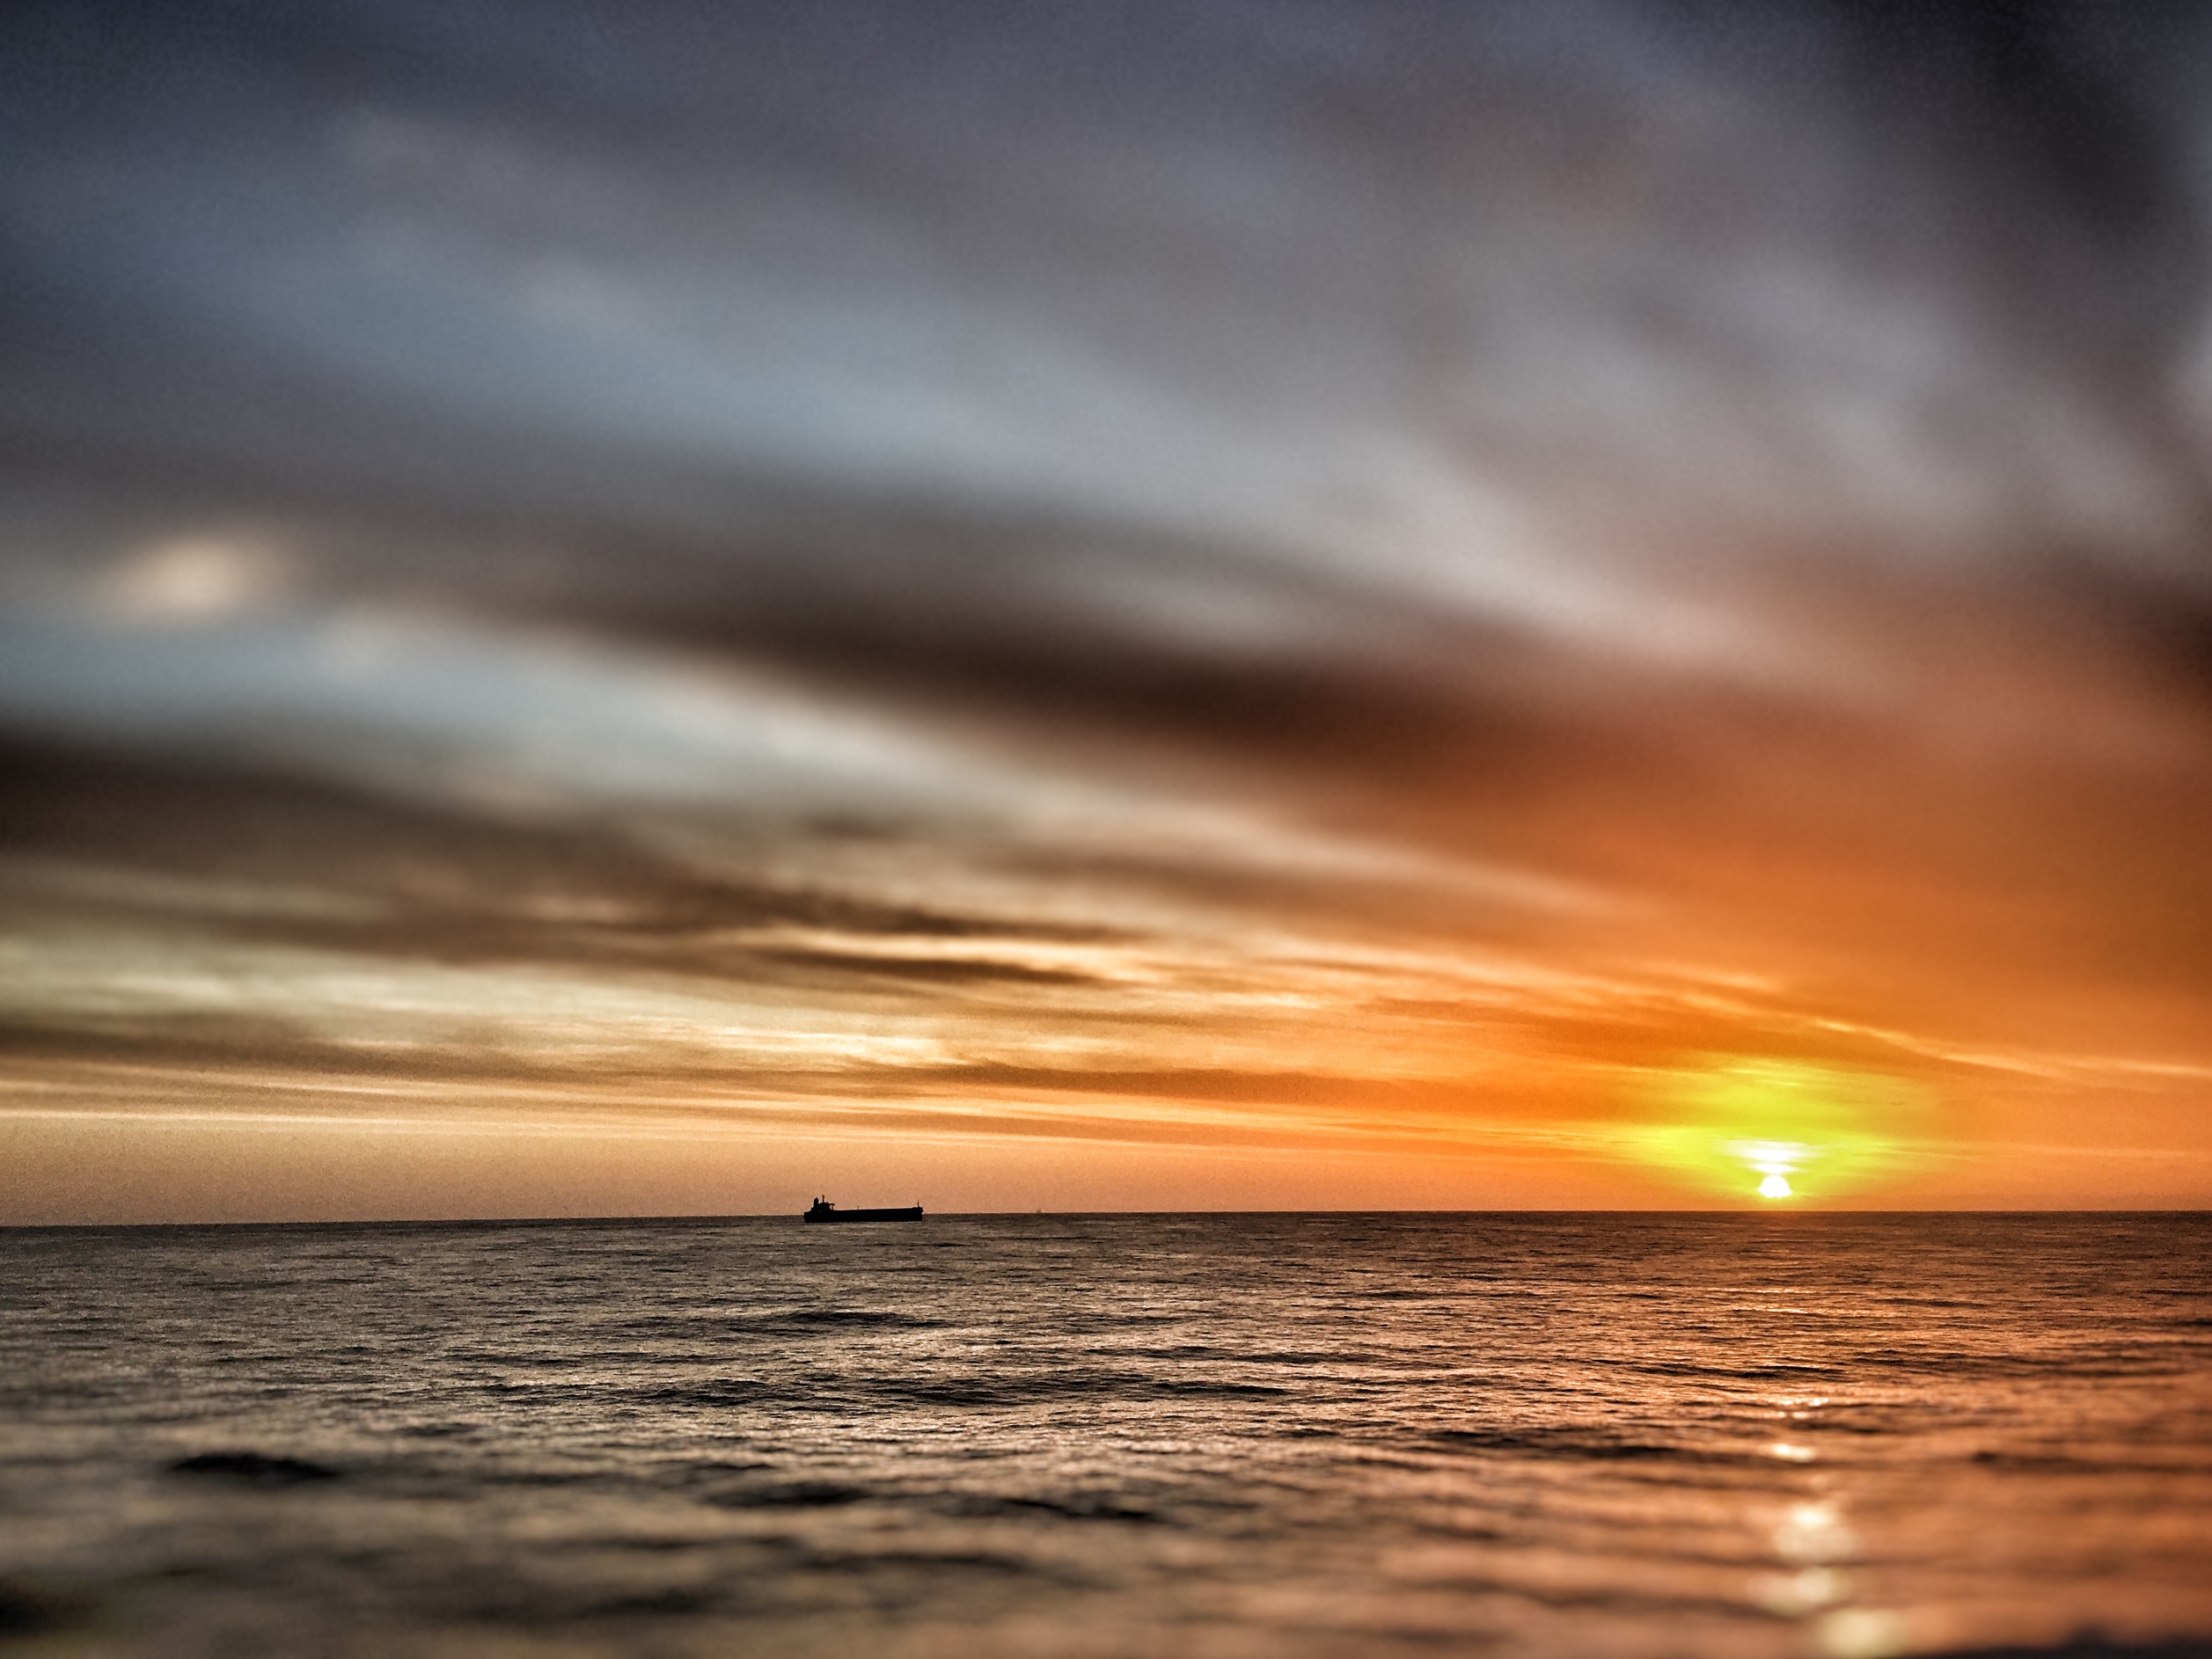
(1845, 1436)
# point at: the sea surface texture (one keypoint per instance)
(1711, 1435)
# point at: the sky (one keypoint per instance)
(614, 609)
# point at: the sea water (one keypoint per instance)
(1713, 1434)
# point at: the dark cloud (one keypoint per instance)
(417, 878)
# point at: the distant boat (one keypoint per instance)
(822, 1209)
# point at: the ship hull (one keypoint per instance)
(912, 1212)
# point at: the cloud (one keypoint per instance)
(1365, 565)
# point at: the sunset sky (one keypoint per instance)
(661, 608)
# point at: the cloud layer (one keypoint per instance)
(1299, 602)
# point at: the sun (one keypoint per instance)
(1774, 1131)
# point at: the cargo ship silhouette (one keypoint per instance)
(822, 1209)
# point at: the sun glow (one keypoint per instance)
(1786, 1130)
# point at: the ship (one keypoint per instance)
(822, 1209)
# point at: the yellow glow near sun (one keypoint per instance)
(1778, 1129)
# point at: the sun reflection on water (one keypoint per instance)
(1814, 1544)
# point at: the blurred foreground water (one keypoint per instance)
(1837, 1435)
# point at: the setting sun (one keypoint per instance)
(1781, 1125)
